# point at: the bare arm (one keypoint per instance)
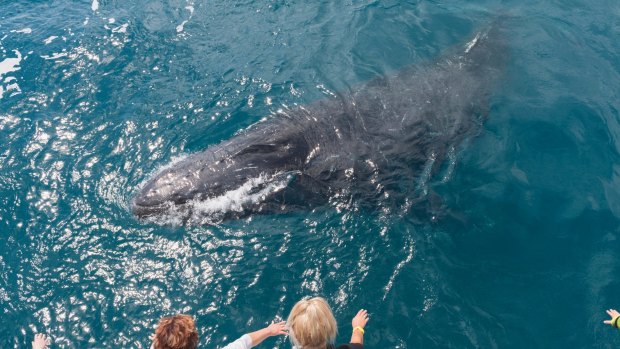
(358, 323)
(274, 329)
(253, 339)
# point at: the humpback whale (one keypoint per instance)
(362, 144)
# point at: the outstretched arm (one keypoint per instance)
(358, 323)
(253, 339)
(275, 329)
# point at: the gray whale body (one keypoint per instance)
(361, 143)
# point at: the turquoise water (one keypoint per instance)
(520, 249)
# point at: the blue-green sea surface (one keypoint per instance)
(516, 244)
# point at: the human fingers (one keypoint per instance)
(363, 313)
(39, 341)
(607, 322)
(359, 315)
(614, 313)
(279, 328)
(283, 330)
(365, 319)
(361, 318)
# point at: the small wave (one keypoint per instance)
(7, 66)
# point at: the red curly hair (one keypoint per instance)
(176, 332)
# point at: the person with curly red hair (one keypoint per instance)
(179, 332)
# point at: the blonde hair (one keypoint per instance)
(176, 332)
(311, 324)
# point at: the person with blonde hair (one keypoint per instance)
(312, 325)
(179, 332)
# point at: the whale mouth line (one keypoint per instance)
(253, 192)
(149, 210)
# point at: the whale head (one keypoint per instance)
(238, 175)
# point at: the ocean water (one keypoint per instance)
(519, 250)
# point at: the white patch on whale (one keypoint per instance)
(471, 44)
(253, 191)
(213, 210)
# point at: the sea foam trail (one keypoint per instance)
(9, 65)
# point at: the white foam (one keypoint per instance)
(252, 191)
(10, 64)
(399, 267)
(55, 55)
(74, 54)
(121, 29)
(325, 90)
(7, 66)
(22, 31)
(8, 121)
(95, 5)
(180, 26)
(83, 51)
(471, 43)
(13, 87)
(50, 39)
(10, 87)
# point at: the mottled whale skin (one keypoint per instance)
(363, 141)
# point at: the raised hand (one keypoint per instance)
(39, 342)
(361, 319)
(614, 314)
(277, 328)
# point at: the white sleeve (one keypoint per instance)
(245, 342)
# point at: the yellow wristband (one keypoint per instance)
(614, 321)
(359, 329)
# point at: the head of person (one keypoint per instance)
(176, 332)
(311, 324)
